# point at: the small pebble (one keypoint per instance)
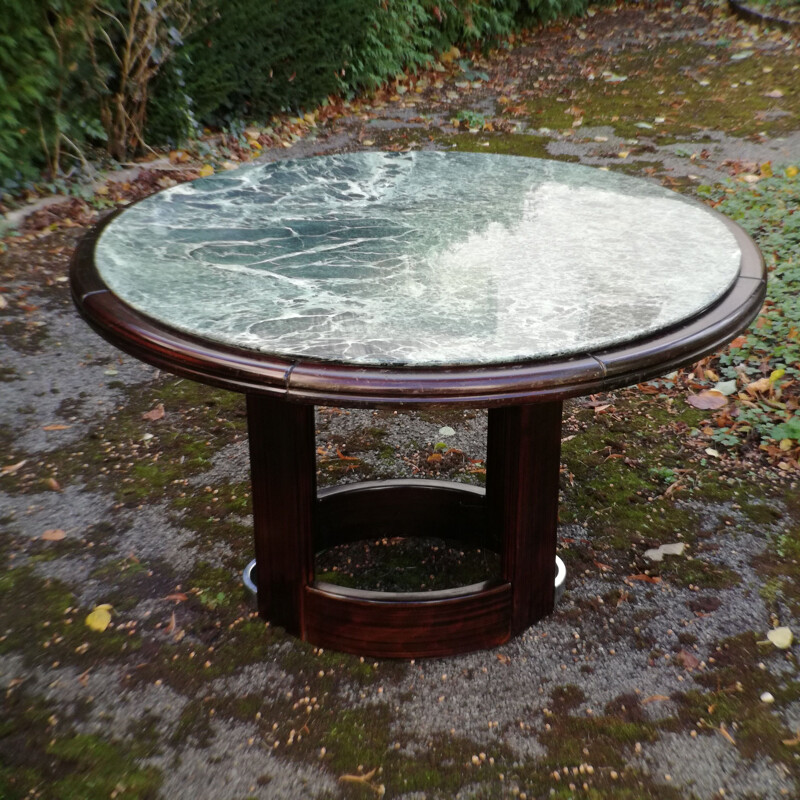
(767, 697)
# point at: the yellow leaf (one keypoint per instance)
(206, 170)
(766, 169)
(776, 375)
(452, 54)
(781, 637)
(786, 444)
(792, 171)
(99, 619)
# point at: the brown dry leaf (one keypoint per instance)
(642, 577)
(155, 414)
(55, 427)
(654, 698)
(725, 733)
(792, 742)
(53, 535)
(503, 658)
(365, 778)
(178, 597)
(171, 627)
(434, 458)
(12, 468)
(602, 567)
(53, 484)
(763, 385)
(688, 660)
(707, 400)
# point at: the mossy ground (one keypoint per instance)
(649, 648)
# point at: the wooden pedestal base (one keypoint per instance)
(516, 515)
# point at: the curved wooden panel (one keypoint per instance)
(382, 625)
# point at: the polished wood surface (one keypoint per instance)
(524, 445)
(283, 469)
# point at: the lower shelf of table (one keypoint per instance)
(408, 624)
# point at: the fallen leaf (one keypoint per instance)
(155, 413)
(642, 577)
(792, 171)
(654, 698)
(688, 660)
(503, 658)
(781, 637)
(171, 626)
(178, 597)
(55, 427)
(206, 170)
(53, 484)
(602, 567)
(759, 386)
(446, 431)
(725, 388)
(710, 451)
(725, 733)
(707, 400)
(10, 469)
(53, 535)
(100, 617)
(434, 458)
(358, 778)
(657, 554)
(738, 341)
(775, 93)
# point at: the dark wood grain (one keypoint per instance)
(283, 470)
(522, 471)
(391, 626)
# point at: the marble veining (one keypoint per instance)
(415, 259)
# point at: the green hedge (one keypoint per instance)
(243, 58)
(254, 58)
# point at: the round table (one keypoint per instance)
(403, 279)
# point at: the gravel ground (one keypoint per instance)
(633, 688)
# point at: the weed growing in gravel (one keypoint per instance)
(771, 349)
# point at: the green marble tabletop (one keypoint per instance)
(415, 259)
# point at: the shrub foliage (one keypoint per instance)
(78, 72)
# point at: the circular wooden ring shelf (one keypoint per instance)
(429, 623)
(517, 514)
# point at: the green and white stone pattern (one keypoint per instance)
(413, 259)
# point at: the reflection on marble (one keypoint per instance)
(415, 259)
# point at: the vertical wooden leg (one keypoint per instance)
(283, 469)
(524, 446)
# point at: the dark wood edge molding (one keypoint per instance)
(319, 382)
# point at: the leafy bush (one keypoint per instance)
(40, 52)
(254, 58)
(768, 210)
